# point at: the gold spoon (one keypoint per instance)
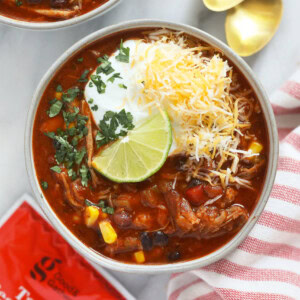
(251, 25)
(220, 5)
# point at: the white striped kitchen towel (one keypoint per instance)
(267, 264)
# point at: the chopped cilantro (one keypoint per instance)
(84, 174)
(91, 101)
(19, 2)
(114, 125)
(72, 174)
(109, 210)
(70, 95)
(83, 77)
(112, 78)
(70, 117)
(55, 108)
(106, 209)
(105, 66)
(52, 101)
(74, 141)
(56, 169)
(123, 55)
(59, 88)
(85, 131)
(80, 59)
(99, 83)
(101, 203)
(80, 155)
(65, 152)
(122, 86)
(51, 135)
(94, 107)
(44, 185)
(72, 131)
(91, 84)
(103, 58)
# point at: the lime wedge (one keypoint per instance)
(138, 155)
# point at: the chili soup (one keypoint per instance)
(151, 147)
(39, 11)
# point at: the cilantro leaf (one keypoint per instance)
(70, 95)
(91, 101)
(83, 77)
(49, 134)
(44, 185)
(105, 66)
(18, 3)
(94, 107)
(84, 174)
(113, 77)
(72, 174)
(106, 209)
(122, 86)
(59, 88)
(99, 83)
(101, 203)
(55, 108)
(80, 155)
(109, 210)
(70, 117)
(56, 169)
(80, 59)
(113, 125)
(123, 55)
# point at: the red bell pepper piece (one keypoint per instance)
(196, 195)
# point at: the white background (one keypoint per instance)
(26, 55)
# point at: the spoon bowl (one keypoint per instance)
(221, 5)
(251, 25)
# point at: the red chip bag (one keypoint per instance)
(37, 263)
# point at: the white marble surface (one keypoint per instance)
(26, 55)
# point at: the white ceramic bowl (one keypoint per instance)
(174, 267)
(60, 24)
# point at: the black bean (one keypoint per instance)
(173, 256)
(146, 240)
(122, 218)
(160, 239)
(194, 182)
(58, 3)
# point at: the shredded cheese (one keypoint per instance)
(195, 91)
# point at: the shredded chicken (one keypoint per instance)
(95, 179)
(215, 222)
(183, 216)
(250, 173)
(151, 197)
(208, 221)
(72, 197)
(229, 197)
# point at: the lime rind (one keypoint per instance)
(136, 147)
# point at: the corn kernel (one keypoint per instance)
(58, 95)
(139, 257)
(91, 215)
(108, 233)
(255, 147)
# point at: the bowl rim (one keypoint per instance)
(60, 24)
(163, 268)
